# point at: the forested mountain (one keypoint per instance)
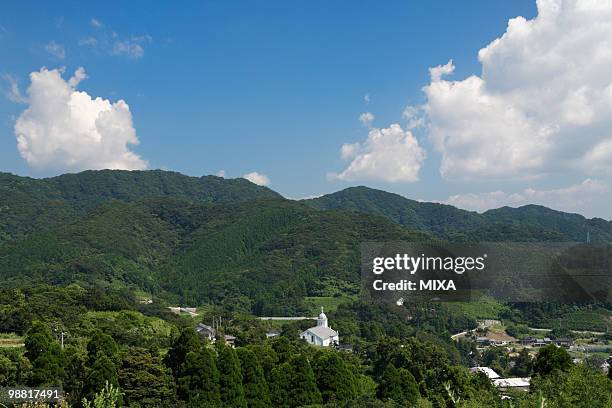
(572, 226)
(528, 223)
(79, 254)
(263, 255)
(28, 204)
(212, 240)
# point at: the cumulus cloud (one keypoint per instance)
(414, 117)
(391, 154)
(64, 129)
(574, 198)
(221, 173)
(257, 178)
(542, 104)
(55, 50)
(366, 119)
(13, 93)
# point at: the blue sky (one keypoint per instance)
(271, 87)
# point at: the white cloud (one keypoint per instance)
(599, 156)
(89, 41)
(309, 197)
(574, 198)
(221, 173)
(129, 48)
(414, 117)
(56, 50)
(543, 103)
(64, 129)
(366, 119)
(349, 150)
(391, 154)
(257, 178)
(13, 93)
(436, 73)
(96, 23)
(366, 98)
(113, 43)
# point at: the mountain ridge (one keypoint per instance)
(448, 222)
(28, 204)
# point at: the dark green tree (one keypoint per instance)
(254, 383)
(267, 358)
(552, 358)
(523, 364)
(390, 385)
(8, 371)
(102, 344)
(284, 348)
(280, 384)
(145, 380)
(409, 387)
(75, 361)
(198, 377)
(334, 380)
(45, 354)
(102, 371)
(303, 386)
(578, 387)
(230, 378)
(399, 385)
(102, 361)
(187, 342)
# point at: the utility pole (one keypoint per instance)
(61, 334)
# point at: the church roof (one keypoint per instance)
(322, 332)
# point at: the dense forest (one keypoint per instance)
(90, 263)
(523, 224)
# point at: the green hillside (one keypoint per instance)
(270, 252)
(524, 224)
(28, 204)
(572, 226)
(230, 242)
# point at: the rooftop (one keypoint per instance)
(489, 372)
(322, 332)
(512, 382)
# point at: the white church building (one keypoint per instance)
(321, 334)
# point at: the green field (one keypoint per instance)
(10, 340)
(329, 303)
(484, 308)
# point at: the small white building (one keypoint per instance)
(321, 334)
(489, 372)
(519, 384)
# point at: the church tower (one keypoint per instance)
(322, 319)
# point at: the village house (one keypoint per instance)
(206, 331)
(518, 384)
(321, 334)
(210, 333)
(272, 334)
(503, 384)
(489, 372)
